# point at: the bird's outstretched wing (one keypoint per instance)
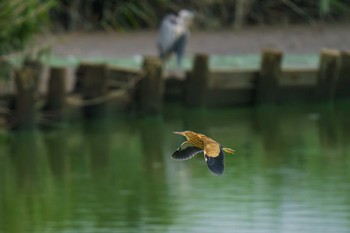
(214, 156)
(186, 153)
(216, 164)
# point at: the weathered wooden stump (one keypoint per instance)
(151, 87)
(342, 89)
(327, 74)
(94, 85)
(270, 71)
(197, 82)
(26, 82)
(79, 75)
(6, 73)
(56, 95)
(121, 78)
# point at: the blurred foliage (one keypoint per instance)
(20, 20)
(135, 14)
(298, 11)
(97, 14)
(334, 7)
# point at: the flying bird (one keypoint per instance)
(196, 143)
(173, 35)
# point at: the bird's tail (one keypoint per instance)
(228, 150)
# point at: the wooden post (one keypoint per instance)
(79, 75)
(151, 87)
(26, 82)
(270, 71)
(56, 92)
(6, 71)
(197, 82)
(94, 82)
(342, 88)
(327, 73)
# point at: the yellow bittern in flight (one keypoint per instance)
(197, 143)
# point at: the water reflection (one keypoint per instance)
(115, 175)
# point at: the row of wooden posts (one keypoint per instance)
(148, 88)
(270, 84)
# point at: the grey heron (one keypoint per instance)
(173, 35)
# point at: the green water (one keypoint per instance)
(251, 61)
(290, 174)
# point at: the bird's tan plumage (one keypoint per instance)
(210, 147)
(213, 151)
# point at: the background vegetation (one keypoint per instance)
(21, 19)
(131, 14)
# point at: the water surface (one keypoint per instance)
(249, 61)
(290, 174)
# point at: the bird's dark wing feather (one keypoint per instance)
(186, 153)
(216, 164)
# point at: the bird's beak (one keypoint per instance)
(181, 133)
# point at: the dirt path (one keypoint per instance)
(294, 39)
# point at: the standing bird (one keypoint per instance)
(173, 35)
(196, 143)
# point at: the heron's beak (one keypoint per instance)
(181, 133)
